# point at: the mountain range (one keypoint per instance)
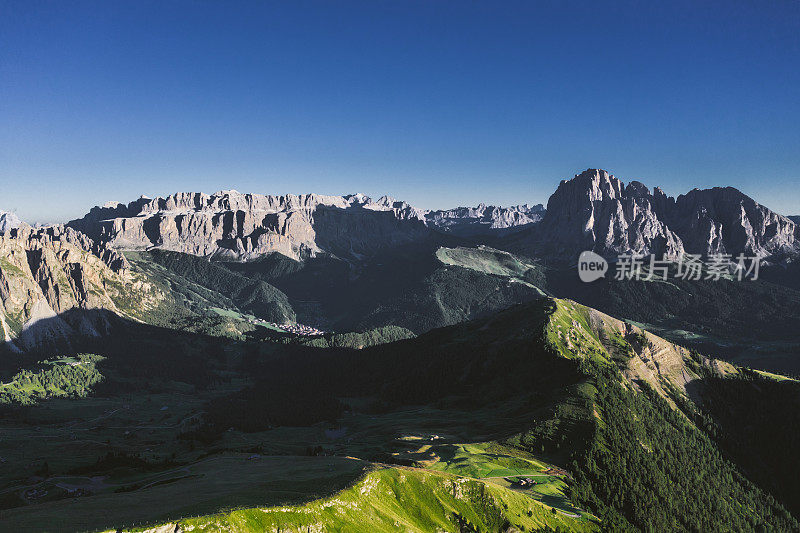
(350, 262)
(593, 211)
(596, 211)
(232, 225)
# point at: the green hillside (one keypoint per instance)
(753, 323)
(395, 499)
(490, 261)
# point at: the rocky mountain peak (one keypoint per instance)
(725, 220)
(637, 189)
(8, 221)
(53, 235)
(595, 211)
(596, 184)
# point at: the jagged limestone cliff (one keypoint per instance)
(596, 211)
(233, 225)
(56, 283)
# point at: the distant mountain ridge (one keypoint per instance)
(483, 219)
(596, 211)
(233, 225)
(592, 211)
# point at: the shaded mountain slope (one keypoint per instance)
(412, 286)
(610, 404)
(251, 296)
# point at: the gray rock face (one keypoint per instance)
(56, 283)
(468, 221)
(595, 211)
(8, 221)
(723, 220)
(239, 226)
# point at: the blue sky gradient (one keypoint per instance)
(437, 103)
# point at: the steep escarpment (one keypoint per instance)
(232, 225)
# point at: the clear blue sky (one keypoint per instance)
(438, 103)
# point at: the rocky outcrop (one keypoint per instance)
(8, 221)
(596, 211)
(724, 220)
(232, 225)
(483, 219)
(56, 283)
